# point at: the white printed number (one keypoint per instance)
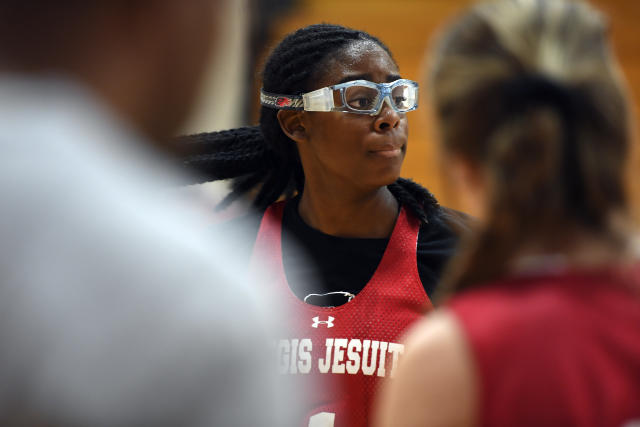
(322, 419)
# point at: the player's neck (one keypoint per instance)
(371, 215)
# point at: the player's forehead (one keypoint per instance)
(359, 60)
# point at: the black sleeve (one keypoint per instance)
(437, 242)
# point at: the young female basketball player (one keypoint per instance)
(544, 326)
(333, 130)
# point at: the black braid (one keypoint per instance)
(228, 154)
(265, 155)
(415, 197)
(240, 185)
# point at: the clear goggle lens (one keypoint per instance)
(403, 97)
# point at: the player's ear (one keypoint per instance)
(292, 124)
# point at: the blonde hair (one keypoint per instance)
(529, 91)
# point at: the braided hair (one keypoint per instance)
(262, 157)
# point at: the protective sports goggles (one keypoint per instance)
(357, 96)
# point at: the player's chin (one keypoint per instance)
(387, 175)
(390, 163)
(382, 169)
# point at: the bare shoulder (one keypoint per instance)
(435, 383)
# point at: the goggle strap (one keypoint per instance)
(281, 102)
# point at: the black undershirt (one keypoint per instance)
(319, 263)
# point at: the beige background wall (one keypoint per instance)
(406, 26)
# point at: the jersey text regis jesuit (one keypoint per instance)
(341, 356)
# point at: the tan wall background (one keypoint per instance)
(408, 26)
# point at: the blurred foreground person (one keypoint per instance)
(542, 322)
(114, 310)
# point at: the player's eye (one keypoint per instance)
(361, 103)
(361, 97)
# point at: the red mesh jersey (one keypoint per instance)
(338, 355)
(556, 350)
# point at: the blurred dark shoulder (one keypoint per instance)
(438, 241)
(459, 222)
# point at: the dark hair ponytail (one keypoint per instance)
(241, 155)
(550, 134)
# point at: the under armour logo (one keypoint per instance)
(328, 322)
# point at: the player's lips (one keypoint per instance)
(388, 150)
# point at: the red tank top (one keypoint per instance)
(337, 355)
(556, 350)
